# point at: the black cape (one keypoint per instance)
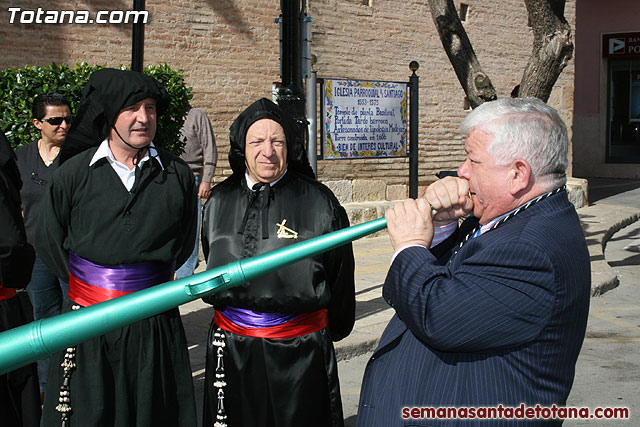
(19, 389)
(138, 375)
(278, 382)
(16, 255)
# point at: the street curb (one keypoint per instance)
(599, 222)
(353, 350)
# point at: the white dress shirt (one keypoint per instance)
(126, 175)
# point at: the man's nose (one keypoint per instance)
(267, 149)
(463, 170)
(142, 115)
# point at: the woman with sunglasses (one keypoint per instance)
(37, 161)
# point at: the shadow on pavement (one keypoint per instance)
(601, 188)
(371, 307)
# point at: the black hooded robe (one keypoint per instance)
(278, 382)
(139, 375)
(19, 389)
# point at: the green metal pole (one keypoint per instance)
(37, 340)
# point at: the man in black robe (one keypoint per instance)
(270, 357)
(19, 396)
(117, 217)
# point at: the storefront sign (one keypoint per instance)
(622, 45)
(364, 119)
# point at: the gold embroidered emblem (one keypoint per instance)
(286, 232)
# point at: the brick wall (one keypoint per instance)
(230, 54)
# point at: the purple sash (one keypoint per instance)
(91, 283)
(253, 319)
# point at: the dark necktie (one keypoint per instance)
(264, 208)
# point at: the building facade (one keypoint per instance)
(230, 53)
(606, 136)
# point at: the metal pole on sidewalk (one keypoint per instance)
(137, 40)
(312, 149)
(290, 93)
(309, 74)
(413, 130)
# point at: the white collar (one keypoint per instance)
(104, 151)
(251, 183)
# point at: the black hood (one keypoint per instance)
(265, 109)
(6, 153)
(106, 93)
(10, 169)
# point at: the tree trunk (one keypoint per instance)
(473, 79)
(552, 48)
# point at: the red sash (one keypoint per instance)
(6, 293)
(91, 283)
(85, 294)
(303, 324)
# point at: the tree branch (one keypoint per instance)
(552, 48)
(474, 80)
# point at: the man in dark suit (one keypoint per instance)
(491, 314)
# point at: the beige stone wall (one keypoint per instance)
(230, 54)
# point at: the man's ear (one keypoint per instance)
(37, 123)
(520, 176)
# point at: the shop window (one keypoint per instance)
(623, 139)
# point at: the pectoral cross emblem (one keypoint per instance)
(286, 232)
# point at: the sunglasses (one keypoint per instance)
(57, 121)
